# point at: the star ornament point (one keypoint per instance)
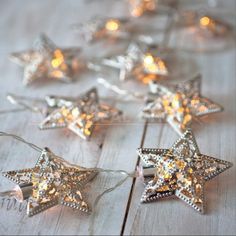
(50, 182)
(46, 60)
(181, 171)
(179, 105)
(141, 63)
(81, 115)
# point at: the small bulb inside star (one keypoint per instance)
(58, 58)
(148, 59)
(112, 25)
(204, 21)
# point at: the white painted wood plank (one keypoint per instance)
(216, 137)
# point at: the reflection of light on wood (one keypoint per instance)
(112, 25)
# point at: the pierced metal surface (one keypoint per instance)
(79, 115)
(46, 60)
(181, 170)
(178, 105)
(139, 62)
(54, 181)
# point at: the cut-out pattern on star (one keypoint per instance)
(139, 63)
(80, 115)
(103, 28)
(181, 170)
(54, 181)
(46, 60)
(179, 105)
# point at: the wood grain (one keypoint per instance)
(114, 146)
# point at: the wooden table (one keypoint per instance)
(114, 146)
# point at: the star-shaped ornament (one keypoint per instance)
(46, 60)
(139, 63)
(79, 115)
(181, 171)
(51, 182)
(179, 104)
(103, 28)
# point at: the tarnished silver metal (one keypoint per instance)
(51, 182)
(178, 104)
(181, 171)
(46, 60)
(80, 115)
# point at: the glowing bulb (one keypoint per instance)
(112, 25)
(75, 112)
(58, 59)
(204, 21)
(176, 101)
(148, 59)
(154, 65)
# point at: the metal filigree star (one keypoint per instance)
(51, 182)
(46, 60)
(139, 63)
(181, 170)
(179, 105)
(103, 28)
(80, 115)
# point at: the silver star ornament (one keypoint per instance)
(181, 171)
(46, 60)
(141, 63)
(179, 105)
(78, 115)
(50, 182)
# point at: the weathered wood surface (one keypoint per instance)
(113, 147)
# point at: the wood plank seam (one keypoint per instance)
(133, 182)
